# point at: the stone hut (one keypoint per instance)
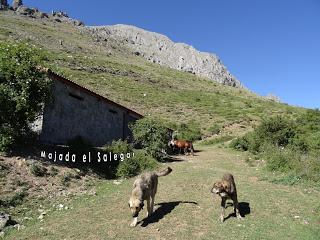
(76, 111)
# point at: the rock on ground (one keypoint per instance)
(4, 219)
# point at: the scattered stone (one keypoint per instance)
(78, 23)
(306, 222)
(296, 217)
(273, 98)
(117, 182)
(92, 192)
(19, 227)
(4, 219)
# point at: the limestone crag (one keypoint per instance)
(159, 49)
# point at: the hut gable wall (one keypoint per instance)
(74, 112)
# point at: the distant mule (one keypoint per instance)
(182, 144)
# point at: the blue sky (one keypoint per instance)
(271, 46)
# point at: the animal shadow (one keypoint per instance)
(244, 209)
(164, 209)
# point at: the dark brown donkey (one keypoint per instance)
(182, 144)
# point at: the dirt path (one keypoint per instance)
(186, 210)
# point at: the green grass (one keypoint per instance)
(216, 140)
(277, 211)
(114, 72)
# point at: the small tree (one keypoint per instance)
(151, 135)
(23, 90)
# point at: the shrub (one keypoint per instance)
(288, 146)
(23, 90)
(118, 146)
(276, 130)
(135, 165)
(66, 178)
(53, 171)
(15, 199)
(189, 132)
(38, 170)
(278, 159)
(151, 135)
(241, 143)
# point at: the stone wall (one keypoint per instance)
(73, 113)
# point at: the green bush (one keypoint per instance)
(279, 159)
(118, 146)
(66, 179)
(15, 199)
(23, 90)
(286, 145)
(151, 135)
(38, 170)
(276, 130)
(249, 142)
(241, 144)
(189, 132)
(135, 165)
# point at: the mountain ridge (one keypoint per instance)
(160, 49)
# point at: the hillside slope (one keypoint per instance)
(112, 70)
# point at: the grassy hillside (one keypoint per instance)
(109, 69)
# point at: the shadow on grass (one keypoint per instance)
(164, 209)
(244, 208)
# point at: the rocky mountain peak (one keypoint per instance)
(159, 49)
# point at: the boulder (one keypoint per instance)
(4, 220)
(31, 12)
(16, 4)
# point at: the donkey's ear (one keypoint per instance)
(141, 205)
